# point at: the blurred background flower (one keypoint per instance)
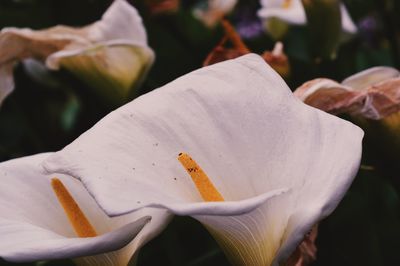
(371, 99)
(110, 55)
(278, 14)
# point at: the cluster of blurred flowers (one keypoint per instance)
(277, 166)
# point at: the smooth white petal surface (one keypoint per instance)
(33, 225)
(370, 76)
(247, 131)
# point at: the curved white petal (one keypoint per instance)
(293, 14)
(370, 76)
(33, 225)
(243, 125)
(347, 23)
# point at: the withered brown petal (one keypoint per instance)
(383, 99)
(329, 96)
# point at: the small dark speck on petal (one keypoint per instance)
(133, 168)
(138, 202)
(153, 164)
(155, 144)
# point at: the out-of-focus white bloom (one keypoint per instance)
(292, 12)
(110, 55)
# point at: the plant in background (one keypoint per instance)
(265, 168)
(279, 14)
(110, 55)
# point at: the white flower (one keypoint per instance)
(110, 55)
(275, 166)
(292, 12)
(34, 226)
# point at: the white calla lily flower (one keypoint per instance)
(110, 55)
(274, 165)
(292, 12)
(34, 226)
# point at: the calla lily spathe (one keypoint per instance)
(33, 225)
(110, 55)
(292, 12)
(280, 165)
(372, 93)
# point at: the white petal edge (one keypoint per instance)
(41, 244)
(223, 208)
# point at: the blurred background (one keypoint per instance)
(49, 109)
